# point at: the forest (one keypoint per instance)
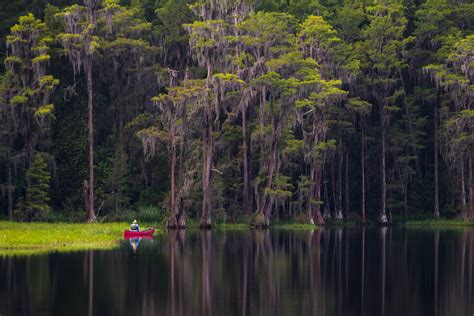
(245, 110)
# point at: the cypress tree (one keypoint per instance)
(36, 204)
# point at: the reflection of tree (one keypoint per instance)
(436, 268)
(206, 272)
(266, 254)
(254, 273)
(176, 267)
(339, 276)
(462, 260)
(314, 266)
(172, 286)
(246, 253)
(471, 265)
(383, 237)
(362, 281)
(90, 279)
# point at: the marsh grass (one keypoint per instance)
(30, 238)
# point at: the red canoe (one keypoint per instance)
(143, 233)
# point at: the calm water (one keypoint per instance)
(332, 272)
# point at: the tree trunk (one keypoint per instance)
(327, 206)
(173, 169)
(246, 193)
(405, 199)
(9, 187)
(90, 213)
(436, 174)
(267, 205)
(339, 180)
(333, 188)
(362, 168)
(383, 186)
(471, 188)
(347, 185)
(175, 211)
(463, 187)
(314, 207)
(206, 175)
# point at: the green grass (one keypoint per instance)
(30, 238)
(291, 226)
(242, 226)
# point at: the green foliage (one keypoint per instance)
(36, 203)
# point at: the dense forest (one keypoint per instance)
(222, 110)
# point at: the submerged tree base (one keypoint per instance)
(173, 223)
(205, 223)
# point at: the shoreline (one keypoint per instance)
(38, 237)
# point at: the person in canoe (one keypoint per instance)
(134, 226)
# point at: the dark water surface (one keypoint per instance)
(339, 271)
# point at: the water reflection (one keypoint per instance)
(359, 271)
(135, 242)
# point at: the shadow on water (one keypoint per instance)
(336, 271)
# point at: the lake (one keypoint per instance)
(335, 271)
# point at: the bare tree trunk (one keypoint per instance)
(405, 198)
(90, 213)
(312, 194)
(206, 176)
(181, 216)
(9, 187)
(383, 187)
(261, 113)
(319, 217)
(267, 205)
(347, 185)
(176, 219)
(173, 167)
(463, 186)
(327, 206)
(339, 180)
(362, 168)
(436, 154)
(333, 188)
(471, 187)
(314, 207)
(246, 193)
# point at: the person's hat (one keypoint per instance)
(134, 221)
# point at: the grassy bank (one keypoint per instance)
(30, 238)
(26, 238)
(245, 225)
